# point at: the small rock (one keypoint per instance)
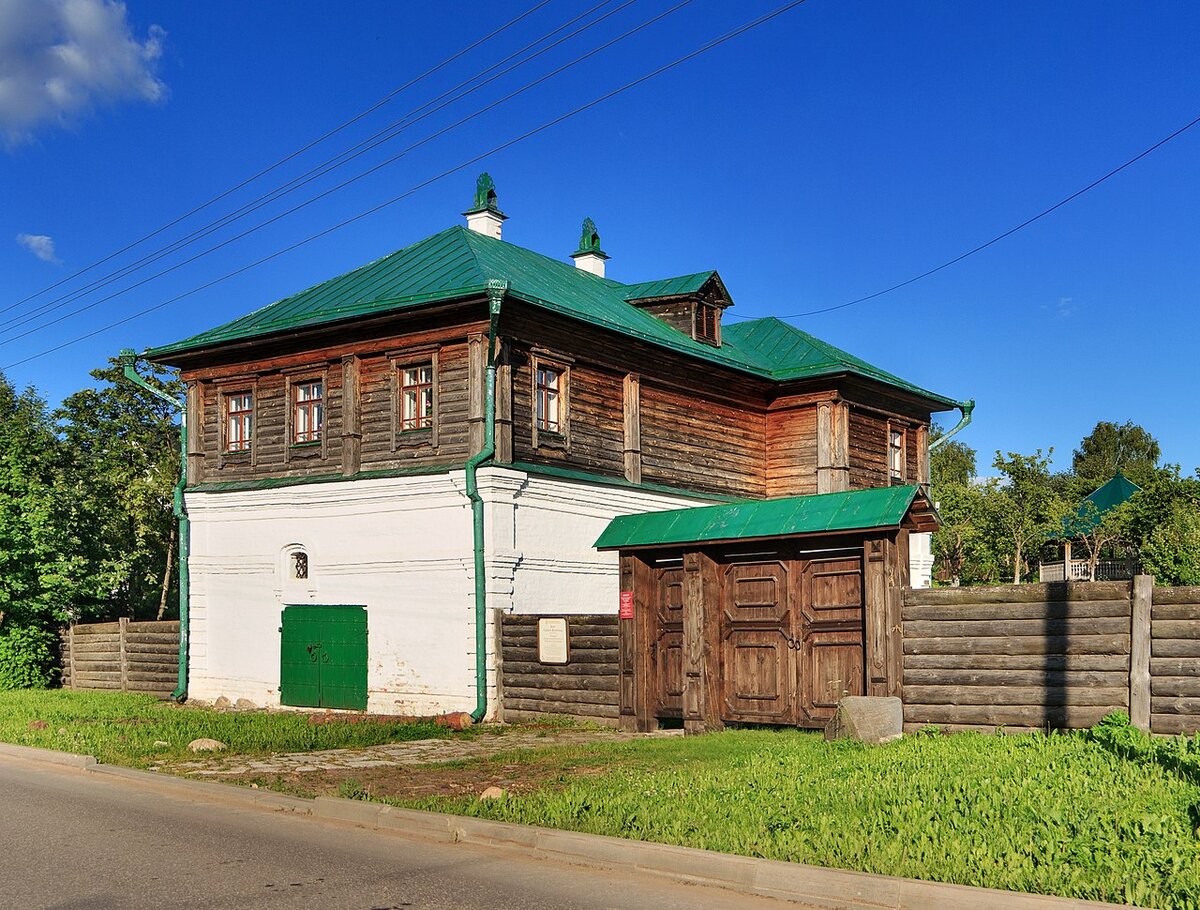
(222, 703)
(162, 744)
(245, 704)
(868, 719)
(38, 725)
(62, 731)
(459, 720)
(492, 793)
(206, 745)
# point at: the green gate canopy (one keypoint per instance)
(791, 516)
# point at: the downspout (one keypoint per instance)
(966, 407)
(128, 362)
(495, 295)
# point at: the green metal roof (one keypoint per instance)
(458, 263)
(883, 507)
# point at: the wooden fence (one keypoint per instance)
(585, 687)
(123, 656)
(1052, 655)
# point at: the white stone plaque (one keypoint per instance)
(553, 647)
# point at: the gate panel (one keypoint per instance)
(832, 659)
(667, 645)
(323, 657)
(757, 668)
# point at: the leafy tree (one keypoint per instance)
(1097, 531)
(1023, 507)
(1172, 551)
(1110, 448)
(123, 462)
(951, 462)
(962, 544)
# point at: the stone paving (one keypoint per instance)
(415, 752)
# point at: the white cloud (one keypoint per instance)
(59, 58)
(40, 245)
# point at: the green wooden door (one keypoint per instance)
(323, 657)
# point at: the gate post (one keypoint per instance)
(1139, 652)
(123, 635)
(701, 678)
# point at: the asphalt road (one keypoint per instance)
(80, 841)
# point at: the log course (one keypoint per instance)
(123, 656)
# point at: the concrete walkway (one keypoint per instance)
(415, 752)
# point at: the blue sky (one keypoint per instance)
(835, 151)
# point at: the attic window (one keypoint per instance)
(707, 325)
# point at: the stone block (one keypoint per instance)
(867, 718)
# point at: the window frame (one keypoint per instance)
(543, 437)
(244, 444)
(227, 388)
(410, 358)
(897, 477)
(308, 406)
(702, 313)
(318, 448)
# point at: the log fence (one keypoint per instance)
(121, 656)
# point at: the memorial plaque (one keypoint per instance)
(553, 645)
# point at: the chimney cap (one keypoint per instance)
(485, 197)
(589, 241)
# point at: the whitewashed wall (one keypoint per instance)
(920, 560)
(401, 547)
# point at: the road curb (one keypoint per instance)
(816, 886)
(50, 756)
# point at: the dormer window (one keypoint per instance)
(707, 324)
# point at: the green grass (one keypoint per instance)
(120, 728)
(1059, 814)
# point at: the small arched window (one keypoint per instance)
(299, 565)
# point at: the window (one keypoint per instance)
(309, 411)
(300, 565)
(895, 454)
(239, 421)
(548, 399)
(707, 321)
(416, 397)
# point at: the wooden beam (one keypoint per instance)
(875, 604)
(1139, 652)
(351, 415)
(633, 428)
(504, 416)
(476, 383)
(693, 644)
(195, 433)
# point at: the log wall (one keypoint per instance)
(122, 656)
(584, 688)
(1175, 660)
(1057, 655)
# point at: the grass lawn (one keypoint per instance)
(1060, 814)
(120, 728)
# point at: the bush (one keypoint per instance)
(1172, 552)
(27, 658)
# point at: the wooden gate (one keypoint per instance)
(786, 643)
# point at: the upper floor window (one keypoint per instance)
(239, 417)
(548, 399)
(308, 411)
(895, 454)
(416, 396)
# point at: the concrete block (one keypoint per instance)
(867, 718)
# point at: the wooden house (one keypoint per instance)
(373, 461)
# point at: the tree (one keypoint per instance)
(1023, 507)
(961, 544)
(1110, 448)
(1097, 531)
(950, 462)
(1162, 522)
(122, 448)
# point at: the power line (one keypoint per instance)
(983, 246)
(330, 164)
(337, 129)
(704, 48)
(279, 216)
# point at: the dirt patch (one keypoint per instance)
(422, 781)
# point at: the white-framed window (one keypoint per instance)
(548, 403)
(239, 421)
(308, 411)
(896, 459)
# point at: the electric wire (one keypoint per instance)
(386, 99)
(703, 49)
(983, 246)
(330, 164)
(340, 186)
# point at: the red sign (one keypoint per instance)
(626, 610)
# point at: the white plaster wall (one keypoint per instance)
(920, 560)
(541, 532)
(401, 547)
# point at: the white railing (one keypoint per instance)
(1077, 570)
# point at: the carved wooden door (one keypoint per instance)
(666, 644)
(831, 645)
(757, 663)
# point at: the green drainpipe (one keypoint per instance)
(128, 362)
(966, 407)
(495, 294)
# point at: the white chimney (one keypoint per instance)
(485, 218)
(589, 256)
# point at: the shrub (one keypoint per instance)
(27, 658)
